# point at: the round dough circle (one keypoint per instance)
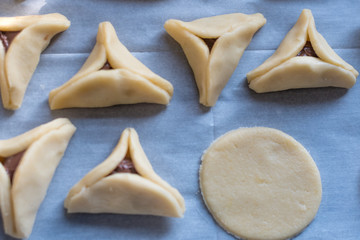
(260, 183)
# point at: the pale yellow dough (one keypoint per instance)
(213, 69)
(284, 70)
(260, 183)
(19, 201)
(128, 82)
(125, 193)
(18, 64)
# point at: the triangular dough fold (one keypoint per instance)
(100, 191)
(21, 196)
(19, 62)
(213, 65)
(128, 82)
(285, 70)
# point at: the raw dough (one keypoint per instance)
(260, 183)
(136, 191)
(285, 69)
(19, 61)
(21, 196)
(213, 47)
(111, 75)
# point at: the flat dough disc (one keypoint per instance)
(260, 183)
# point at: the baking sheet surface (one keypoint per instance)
(325, 121)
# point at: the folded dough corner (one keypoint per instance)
(125, 183)
(213, 47)
(27, 165)
(303, 60)
(111, 75)
(22, 39)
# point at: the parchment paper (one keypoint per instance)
(325, 121)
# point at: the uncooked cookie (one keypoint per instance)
(260, 183)
(22, 39)
(111, 75)
(27, 165)
(213, 47)
(303, 60)
(125, 183)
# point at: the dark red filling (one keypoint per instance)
(11, 163)
(307, 50)
(106, 66)
(210, 42)
(7, 37)
(125, 166)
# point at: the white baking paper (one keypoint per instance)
(326, 121)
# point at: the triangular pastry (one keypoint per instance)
(111, 75)
(22, 39)
(303, 60)
(27, 165)
(125, 183)
(213, 47)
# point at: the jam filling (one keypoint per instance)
(125, 166)
(7, 37)
(307, 51)
(11, 163)
(106, 66)
(210, 42)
